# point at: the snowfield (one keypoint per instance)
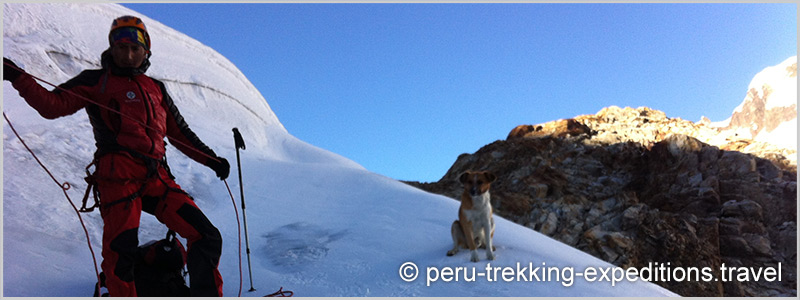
(319, 224)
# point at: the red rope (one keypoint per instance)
(64, 187)
(240, 237)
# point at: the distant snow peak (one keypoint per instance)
(770, 107)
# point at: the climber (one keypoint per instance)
(135, 115)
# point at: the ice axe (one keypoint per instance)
(239, 142)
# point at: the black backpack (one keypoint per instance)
(159, 269)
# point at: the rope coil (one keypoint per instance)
(281, 293)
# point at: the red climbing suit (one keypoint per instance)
(130, 171)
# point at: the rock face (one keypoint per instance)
(634, 187)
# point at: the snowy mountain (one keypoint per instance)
(768, 112)
(319, 224)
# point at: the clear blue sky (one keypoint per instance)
(403, 89)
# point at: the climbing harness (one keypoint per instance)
(152, 171)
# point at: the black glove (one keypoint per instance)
(222, 167)
(10, 73)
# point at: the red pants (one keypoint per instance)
(119, 176)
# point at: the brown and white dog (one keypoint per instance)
(475, 225)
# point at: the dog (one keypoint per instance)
(475, 225)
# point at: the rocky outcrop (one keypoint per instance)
(633, 187)
(560, 128)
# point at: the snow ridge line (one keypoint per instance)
(215, 91)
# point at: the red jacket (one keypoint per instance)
(136, 96)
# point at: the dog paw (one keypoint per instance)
(490, 256)
(474, 257)
(452, 252)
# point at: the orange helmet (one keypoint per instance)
(131, 29)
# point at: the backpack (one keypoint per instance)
(159, 269)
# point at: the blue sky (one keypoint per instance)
(403, 89)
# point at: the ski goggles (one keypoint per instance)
(130, 35)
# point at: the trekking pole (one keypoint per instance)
(237, 138)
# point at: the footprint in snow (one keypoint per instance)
(295, 246)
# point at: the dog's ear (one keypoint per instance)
(464, 177)
(489, 176)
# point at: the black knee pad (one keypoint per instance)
(125, 244)
(210, 239)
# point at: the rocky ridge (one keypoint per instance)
(633, 187)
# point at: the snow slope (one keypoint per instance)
(319, 224)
